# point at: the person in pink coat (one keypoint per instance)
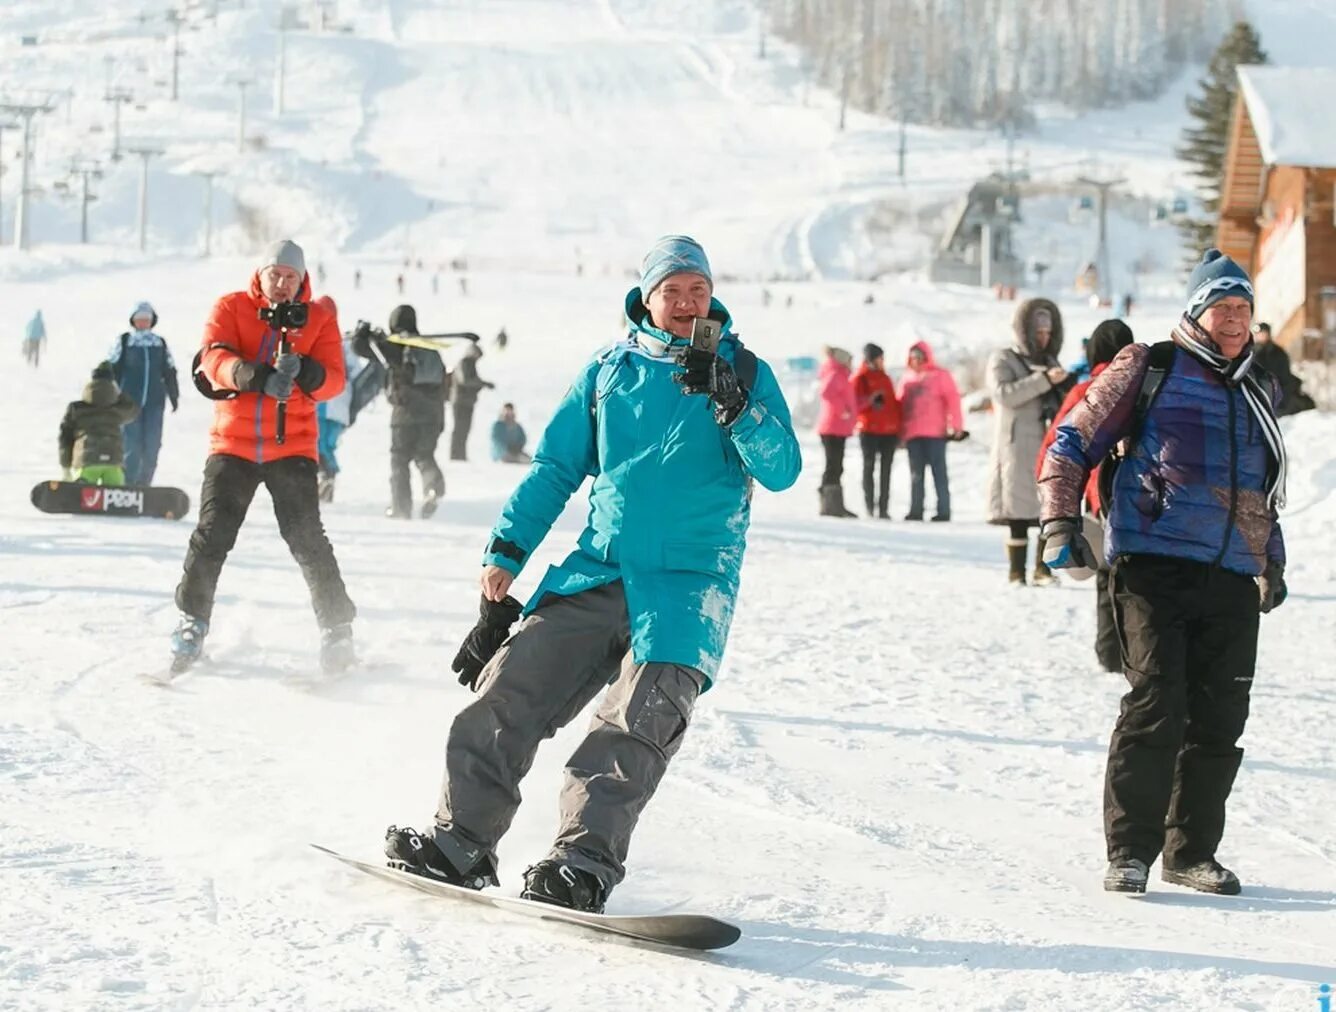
(930, 415)
(835, 424)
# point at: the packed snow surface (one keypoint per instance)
(894, 789)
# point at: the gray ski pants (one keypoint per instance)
(541, 678)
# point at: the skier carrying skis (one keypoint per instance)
(644, 602)
(91, 446)
(256, 378)
(417, 387)
(142, 365)
(1196, 555)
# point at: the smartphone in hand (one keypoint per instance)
(705, 335)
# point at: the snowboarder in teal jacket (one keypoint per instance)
(674, 439)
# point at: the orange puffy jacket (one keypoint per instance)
(236, 355)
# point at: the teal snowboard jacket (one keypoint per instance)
(671, 497)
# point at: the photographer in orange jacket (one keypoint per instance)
(268, 355)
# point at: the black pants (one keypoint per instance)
(229, 486)
(924, 453)
(877, 448)
(1107, 648)
(834, 447)
(413, 443)
(459, 435)
(1189, 640)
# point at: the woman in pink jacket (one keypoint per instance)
(930, 415)
(835, 424)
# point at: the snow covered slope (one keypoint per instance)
(895, 788)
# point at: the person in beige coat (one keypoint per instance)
(1027, 385)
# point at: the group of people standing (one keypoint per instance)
(923, 415)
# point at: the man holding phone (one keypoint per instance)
(673, 423)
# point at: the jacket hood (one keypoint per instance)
(638, 313)
(403, 320)
(1024, 328)
(929, 361)
(257, 296)
(1107, 339)
(140, 310)
(101, 391)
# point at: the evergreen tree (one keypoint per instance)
(1206, 140)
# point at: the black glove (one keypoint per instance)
(878, 400)
(1271, 586)
(1065, 546)
(485, 638)
(959, 436)
(706, 373)
(279, 383)
(311, 376)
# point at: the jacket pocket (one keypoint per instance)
(1151, 497)
(662, 713)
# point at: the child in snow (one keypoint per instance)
(508, 438)
(91, 446)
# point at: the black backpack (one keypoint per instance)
(1160, 362)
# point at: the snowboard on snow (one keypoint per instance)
(112, 501)
(696, 932)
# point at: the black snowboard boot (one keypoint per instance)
(411, 851)
(1204, 876)
(564, 886)
(1126, 875)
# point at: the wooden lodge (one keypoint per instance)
(1278, 201)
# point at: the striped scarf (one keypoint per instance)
(1237, 372)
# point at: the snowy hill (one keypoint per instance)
(895, 788)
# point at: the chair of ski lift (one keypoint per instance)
(1082, 209)
(1179, 209)
(1159, 214)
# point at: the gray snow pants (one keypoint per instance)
(541, 678)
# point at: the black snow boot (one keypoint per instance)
(832, 502)
(1126, 875)
(1204, 876)
(411, 851)
(564, 886)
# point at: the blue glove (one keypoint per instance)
(1065, 546)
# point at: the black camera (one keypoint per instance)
(285, 315)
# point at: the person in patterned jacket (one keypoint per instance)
(1196, 554)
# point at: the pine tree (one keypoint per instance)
(1206, 140)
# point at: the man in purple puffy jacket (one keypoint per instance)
(1196, 553)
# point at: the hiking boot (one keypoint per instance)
(1126, 875)
(942, 518)
(563, 886)
(187, 642)
(336, 649)
(411, 851)
(1204, 876)
(913, 516)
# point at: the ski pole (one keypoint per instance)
(281, 424)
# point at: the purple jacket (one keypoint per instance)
(1193, 488)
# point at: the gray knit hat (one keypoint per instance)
(284, 253)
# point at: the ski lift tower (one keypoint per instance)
(1102, 186)
(25, 111)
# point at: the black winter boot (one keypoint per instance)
(1204, 876)
(564, 886)
(414, 852)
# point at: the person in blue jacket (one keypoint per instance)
(142, 366)
(674, 439)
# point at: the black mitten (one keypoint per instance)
(485, 638)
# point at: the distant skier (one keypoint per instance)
(91, 444)
(142, 365)
(465, 385)
(34, 339)
(508, 438)
(242, 367)
(644, 602)
(417, 389)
